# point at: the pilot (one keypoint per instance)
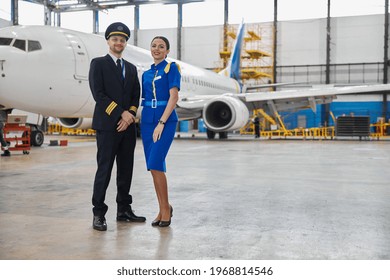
(160, 93)
(115, 87)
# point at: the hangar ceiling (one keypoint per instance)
(60, 6)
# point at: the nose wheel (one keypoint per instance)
(37, 138)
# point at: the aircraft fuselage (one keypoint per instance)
(50, 65)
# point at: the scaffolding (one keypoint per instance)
(257, 52)
(257, 61)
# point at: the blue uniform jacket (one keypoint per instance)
(165, 77)
(112, 95)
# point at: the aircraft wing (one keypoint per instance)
(286, 99)
(301, 98)
(231, 111)
(196, 102)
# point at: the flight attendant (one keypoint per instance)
(115, 87)
(160, 93)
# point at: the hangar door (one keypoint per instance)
(80, 55)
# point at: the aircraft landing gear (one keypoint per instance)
(223, 135)
(211, 134)
(37, 137)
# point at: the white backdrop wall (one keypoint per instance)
(301, 42)
(145, 37)
(201, 46)
(357, 39)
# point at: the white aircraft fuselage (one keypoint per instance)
(44, 70)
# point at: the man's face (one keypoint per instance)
(117, 44)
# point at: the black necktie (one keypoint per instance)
(119, 66)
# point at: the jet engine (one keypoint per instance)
(225, 113)
(80, 123)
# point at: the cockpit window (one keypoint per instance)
(34, 46)
(5, 41)
(20, 44)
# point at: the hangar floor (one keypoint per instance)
(235, 199)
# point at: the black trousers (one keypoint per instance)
(111, 146)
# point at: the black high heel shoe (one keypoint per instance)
(166, 223)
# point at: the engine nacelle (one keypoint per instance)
(81, 123)
(225, 113)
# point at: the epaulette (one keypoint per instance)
(168, 67)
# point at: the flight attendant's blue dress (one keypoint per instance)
(156, 83)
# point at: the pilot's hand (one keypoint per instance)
(128, 117)
(157, 132)
(122, 125)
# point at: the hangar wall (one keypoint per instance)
(354, 39)
(357, 39)
(301, 42)
(145, 36)
(200, 45)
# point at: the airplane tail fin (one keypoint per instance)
(233, 68)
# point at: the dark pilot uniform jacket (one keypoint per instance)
(112, 94)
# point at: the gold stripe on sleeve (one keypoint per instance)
(111, 107)
(134, 109)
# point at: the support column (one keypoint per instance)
(58, 19)
(275, 50)
(14, 12)
(326, 107)
(136, 24)
(179, 28)
(385, 60)
(95, 27)
(225, 29)
(47, 13)
(327, 71)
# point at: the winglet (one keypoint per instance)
(233, 68)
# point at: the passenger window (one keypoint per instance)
(34, 46)
(20, 44)
(5, 41)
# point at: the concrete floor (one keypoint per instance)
(237, 199)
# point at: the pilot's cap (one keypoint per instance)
(117, 28)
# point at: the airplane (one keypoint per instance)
(44, 70)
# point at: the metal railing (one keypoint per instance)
(343, 73)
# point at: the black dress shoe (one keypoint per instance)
(99, 223)
(166, 223)
(6, 153)
(129, 216)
